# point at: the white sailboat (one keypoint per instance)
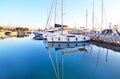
(58, 37)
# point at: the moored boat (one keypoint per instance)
(38, 35)
(68, 38)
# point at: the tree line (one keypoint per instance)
(14, 29)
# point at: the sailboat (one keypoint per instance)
(63, 37)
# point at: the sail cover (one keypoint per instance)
(59, 25)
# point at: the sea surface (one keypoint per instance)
(26, 58)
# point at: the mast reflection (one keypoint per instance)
(66, 49)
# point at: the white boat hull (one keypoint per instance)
(64, 38)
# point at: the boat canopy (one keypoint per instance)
(70, 36)
(59, 25)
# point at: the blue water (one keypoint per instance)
(25, 58)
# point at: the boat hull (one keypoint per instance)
(68, 39)
(38, 36)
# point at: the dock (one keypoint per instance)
(107, 39)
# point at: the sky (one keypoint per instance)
(34, 13)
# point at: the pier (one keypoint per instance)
(107, 36)
(107, 39)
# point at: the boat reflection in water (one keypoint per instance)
(67, 45)
(63, 49)
(22, 36)
(68, 58)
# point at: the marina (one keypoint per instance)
(59, 39)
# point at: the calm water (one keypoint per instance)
(25, 58)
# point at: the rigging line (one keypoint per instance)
(97, 21)
(50, 13)
(50, 21)
(105, 17)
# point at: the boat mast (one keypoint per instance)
(55, 11)
(101, 15)
(93, 17)
(62, 15)
(86, 18)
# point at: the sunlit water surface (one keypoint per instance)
(26, 58)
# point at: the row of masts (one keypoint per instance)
(62, 14)
(93, 15)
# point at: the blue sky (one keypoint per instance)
(34, 13)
